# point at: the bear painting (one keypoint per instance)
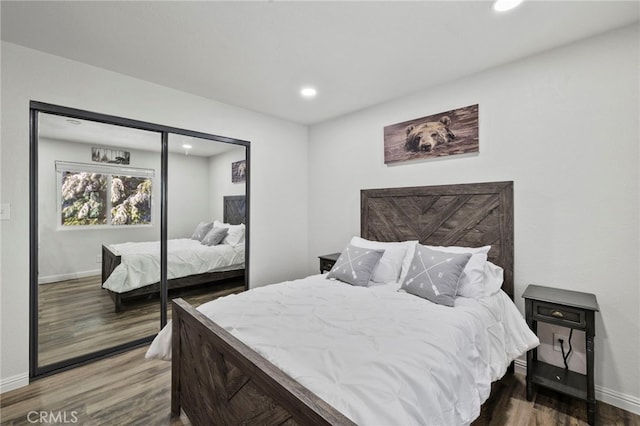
(447, 133)
(426, 136)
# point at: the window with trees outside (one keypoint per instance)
(99, 195)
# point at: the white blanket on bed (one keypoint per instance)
(379, 356)
(141, 261)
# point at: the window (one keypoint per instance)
(100, 195)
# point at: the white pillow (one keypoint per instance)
(235, 235)
(472, 280)
(493, 279)
(390, 265)
(408, 258)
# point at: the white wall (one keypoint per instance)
(275, 215)
(187, 194)
(564, 126)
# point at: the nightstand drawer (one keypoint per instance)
(327, 261)
(560, 315)
(326, 265)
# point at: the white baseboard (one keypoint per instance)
(521, 366)
(14, 382)
(70, 276)
(617, 399)
(608, 396)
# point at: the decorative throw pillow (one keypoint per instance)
(434, 275)
(355, 265)
(201, 230)
(215, 236)
(390, 265)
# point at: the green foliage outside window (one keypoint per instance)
(86, 197)
(131, 200)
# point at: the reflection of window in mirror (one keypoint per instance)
(91, 196)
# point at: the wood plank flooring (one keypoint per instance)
(508, 405)
(76, 317)
(129, 390)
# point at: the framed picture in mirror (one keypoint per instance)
(109, 155)
(238, 171)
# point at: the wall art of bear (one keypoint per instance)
(447, 133)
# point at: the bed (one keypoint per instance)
(216, 263)
(218, 379)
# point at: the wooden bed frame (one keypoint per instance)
(216, 379)
(233, 213)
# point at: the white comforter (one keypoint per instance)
(141, 261)
(379, 356)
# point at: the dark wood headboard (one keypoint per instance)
(235, 209)
(469, 215)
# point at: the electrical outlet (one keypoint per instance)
(556, 342)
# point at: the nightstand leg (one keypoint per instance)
(591, 395)
(532, 355)
(591, 412)
(529, 375)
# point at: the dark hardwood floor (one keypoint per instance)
(76, 317)
(129, 390)
(508, 405)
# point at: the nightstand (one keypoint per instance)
(566, 308)
(327, 261)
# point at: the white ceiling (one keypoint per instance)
(257, 55)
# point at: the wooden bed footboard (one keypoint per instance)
(218, 380)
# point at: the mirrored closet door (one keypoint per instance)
(115, 206)
(207, 217)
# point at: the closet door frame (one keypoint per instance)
(36, 107)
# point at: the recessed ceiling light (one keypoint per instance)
(308, 92)
(504, 5)
(73, 121)
(186, 146)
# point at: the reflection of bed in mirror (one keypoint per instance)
(131, 270)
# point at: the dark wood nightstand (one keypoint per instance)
(327, 261)
(565, 308)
